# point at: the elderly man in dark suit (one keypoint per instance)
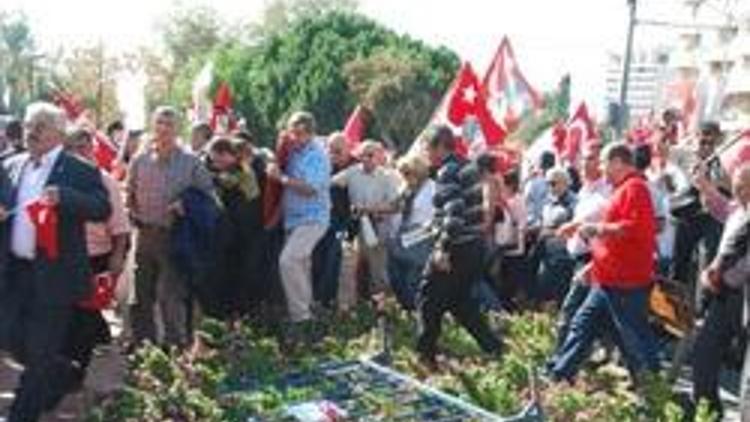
(41, 289)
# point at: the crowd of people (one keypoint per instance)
(220, 227)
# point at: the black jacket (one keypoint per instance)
(83, 198)
(458, 203)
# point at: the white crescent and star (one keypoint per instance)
(470, 94)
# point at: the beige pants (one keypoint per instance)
(347, 294)
(377, 263)
(295, 266)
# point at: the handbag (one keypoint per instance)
(685, 204)
(368, 232)
(104, 286)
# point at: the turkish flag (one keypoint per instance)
(273, 190)
(465, 100)
(69, 103)
(559, 133)
(354, 130)
(44, 217)
(105, 153)
(222, 118)
(580, 132)
(736, 155)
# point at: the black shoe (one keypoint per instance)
(313, 332)
(429, 362)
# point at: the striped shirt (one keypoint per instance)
(458, 203)
(155, 182)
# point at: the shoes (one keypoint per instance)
(429, 362)
(305, 333)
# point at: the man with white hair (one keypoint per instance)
(44, 284)
(374, 196)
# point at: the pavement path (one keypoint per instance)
(105, 376)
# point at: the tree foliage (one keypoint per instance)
(395, 87)
(18, 57)
(556, 107)
(278, 15)
(191, 31)
(90, 73)
(303, 68)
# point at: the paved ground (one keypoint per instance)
(105, 376)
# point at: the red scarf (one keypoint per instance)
(44, 218)
(273, 188)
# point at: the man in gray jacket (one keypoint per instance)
(727, 279)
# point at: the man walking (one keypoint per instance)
(456, 264)
(306, 207)
(726, 277)
(157, 178)
(49, 269)
(622, 265)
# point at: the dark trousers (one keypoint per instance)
(450, 291)
(327, 258)
(699, 230)
(157, 280)
(88, 328)
(574, 298)
(405, 269)
(41, 329)
(555, 270)
(721, 325)
(620, 312)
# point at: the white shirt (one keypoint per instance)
(592, 199)
(660, 197)
(422, 209)
(31, 184)
(516, 207)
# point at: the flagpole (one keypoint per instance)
(621, 122)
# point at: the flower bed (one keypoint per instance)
(197, 386)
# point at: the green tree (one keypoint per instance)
(189, 34)
(88, 71)
(18, 61)
(556, 106)
(191, 31)
(279, 15)
(395, 87)
(303, 68)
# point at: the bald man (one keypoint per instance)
(726, 277)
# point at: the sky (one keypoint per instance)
(550, 37)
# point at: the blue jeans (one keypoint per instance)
(622, 312)
(576, 296)
(555, 272)
(405, 270)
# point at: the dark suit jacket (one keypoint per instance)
(83, 197)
